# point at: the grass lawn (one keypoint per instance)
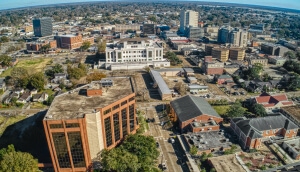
(11, 120)
(32, 65)
(37, 105)
(48, 91)
(221, 110)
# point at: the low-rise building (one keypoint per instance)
(40, 97)
(194, 114)
(209, 48)
(277, 60)
(222, 79)
(273, 102)
(273, 49)
(163, 88)
(253, 132)
(208, 142)
(292, 147)
(195, 88)
(252, 60)
(36, 46)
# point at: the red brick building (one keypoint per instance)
(72, 41)
(82, 122)
(222, 79)
(36, 46)
(195, 114)
(252, 132)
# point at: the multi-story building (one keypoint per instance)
(36, 46)
(213, 68)
(253, 132)
(257, 28)
(149, 29)
(209, 48)
(220, 54)
(134, 50)
(273, 49)
(82, 122)
(42, 26)
(28, 29)
(238, 38)
(124, 28)
(72, 41)
(194, 33)
(188, 18)
(236, 54)
(223, 35)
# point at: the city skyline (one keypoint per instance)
(290, 4)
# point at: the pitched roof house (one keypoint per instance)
(194, 114)
(252, 132)
(40, 97)
(273, 102)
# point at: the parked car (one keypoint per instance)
(171, 140)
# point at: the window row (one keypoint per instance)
(68, 125)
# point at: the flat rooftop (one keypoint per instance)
(208, 140)
(75, 103)
(294, 111)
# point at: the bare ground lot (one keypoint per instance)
(227, 163)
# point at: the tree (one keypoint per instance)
(119, 159)
(4, 39)
(236, 110)
(37, 81)
(173, 58)
(259, 110)
(75, 73)
(180, 87)
(57, 68)
(102, 46)
(13, 161)
(294, 82)
(152, 18)
(96, 76)
(85, 45)
(19, 72)
(45, 48)
(290, 55)
(5, 60)
(193, 150)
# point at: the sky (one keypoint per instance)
(8, 4)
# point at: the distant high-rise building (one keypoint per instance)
(223, 35)
(188, 18)
(238, 38)
(42, 26)
(148, 29)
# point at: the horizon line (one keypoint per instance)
(154, 1)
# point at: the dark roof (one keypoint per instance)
(253, 127)
(189, 107)
(225, 77)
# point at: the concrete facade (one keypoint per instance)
(221, 54)
(188, 18)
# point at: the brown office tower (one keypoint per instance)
(236, 54)
(84, 121)
(220, 54)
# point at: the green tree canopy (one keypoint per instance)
(75, 73)
(102, 46)
(259, 110)
(37, 81)
(254, 71)
(119, 160)
(57, 68)
(96, 76)
(5, 60)
(85, 45)
(173, 58)
(236, 110)
(193, 150)
(290, 55)
(152, 18)
(13, 161)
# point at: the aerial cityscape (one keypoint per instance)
(128, 86)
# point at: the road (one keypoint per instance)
(169, 153)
